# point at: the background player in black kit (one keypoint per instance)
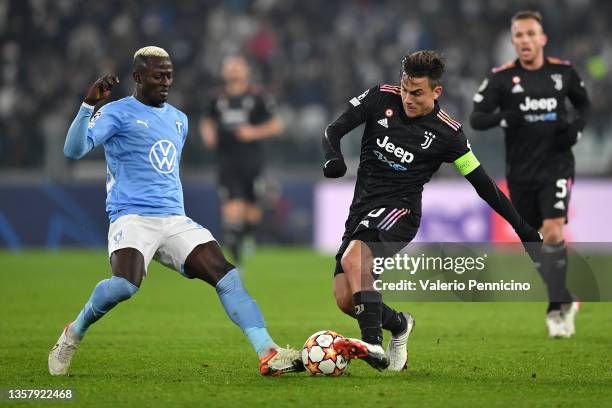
(237, 118)
(526, 97)
(406, 139)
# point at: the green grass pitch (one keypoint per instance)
(172, 345)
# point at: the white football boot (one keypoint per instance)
(568, 314)
(373, 354)
(280, 361)
(61, 354)
(556, 325)
(397, 349)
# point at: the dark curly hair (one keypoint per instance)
(422, 64)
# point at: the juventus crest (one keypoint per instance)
(558, 80)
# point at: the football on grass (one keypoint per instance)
(320, 357)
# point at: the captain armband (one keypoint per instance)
(466, 163)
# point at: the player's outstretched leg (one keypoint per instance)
(397, 349)
(356, 263)
(106, 295)
(399, 324)
(206, 262)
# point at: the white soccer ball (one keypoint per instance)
(320, 356)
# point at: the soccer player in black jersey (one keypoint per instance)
(236, 120)
(526, 97)
(407, 137)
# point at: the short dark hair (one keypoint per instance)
(526, 15)
(422, 64)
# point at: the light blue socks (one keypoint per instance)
(105, 296)
(243, 310)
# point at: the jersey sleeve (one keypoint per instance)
(185, 126)
(265, 109)
(459, 152)
(488, 95)
(577, 94)
(358, 110)
(104, 124)
(365, 104)
(210, 108)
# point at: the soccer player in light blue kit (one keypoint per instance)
(143, 136)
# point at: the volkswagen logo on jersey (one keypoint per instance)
(163, 156)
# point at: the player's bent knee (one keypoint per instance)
(350, 263)
(121, 289)
(552, 231)
(207, 262)
(111, 291)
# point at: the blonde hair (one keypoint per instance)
(151, 51)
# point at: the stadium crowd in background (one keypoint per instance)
(310, 54)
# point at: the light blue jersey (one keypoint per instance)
(142, 145)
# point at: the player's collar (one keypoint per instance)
(154, 108)
(518, 65)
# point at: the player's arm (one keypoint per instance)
(570, 132)
(485, 114)
(488, 190)
(356, 113)
(468, 165)
(270, 128)
(268, 122)
(208, 132)
(80, 140)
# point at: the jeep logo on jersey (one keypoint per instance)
(404, 155)
(163, 156)
(548, 104)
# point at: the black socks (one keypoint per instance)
(554, 272)
(368, 312)
(392, 320)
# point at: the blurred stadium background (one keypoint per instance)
(312, 56)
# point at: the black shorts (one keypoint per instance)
(550, 200)
(238, 183)
(392, 227)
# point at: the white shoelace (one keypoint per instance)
(286, 356)
(65, 351)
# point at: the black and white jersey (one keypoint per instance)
(398, 154)
(231, 112)
(539, 97)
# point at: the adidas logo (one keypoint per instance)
(559, 205)
(517, 88)
(365, 223)
(384, 123)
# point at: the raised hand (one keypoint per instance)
(101, 89)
